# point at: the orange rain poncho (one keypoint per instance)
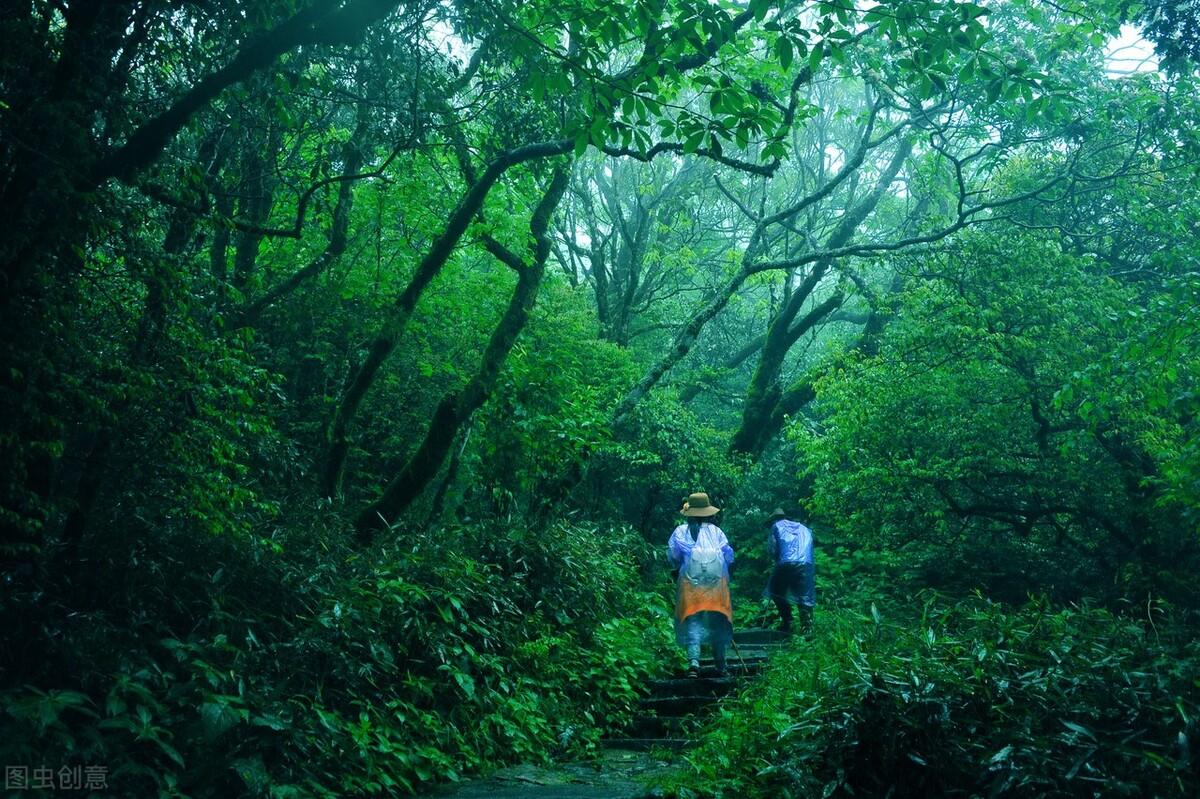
(704, 584)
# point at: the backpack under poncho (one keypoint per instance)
(704, 568)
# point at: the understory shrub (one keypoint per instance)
(363, 673)
(969, 699)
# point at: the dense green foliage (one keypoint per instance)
(217, 670)
(356, 356)
(967, 698)
(965, 447)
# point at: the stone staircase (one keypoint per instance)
(671, 715)
(675, 707)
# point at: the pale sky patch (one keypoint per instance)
(1129, 53)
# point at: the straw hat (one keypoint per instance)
(775, 516)
(698, 505)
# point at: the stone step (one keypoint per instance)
(677, 706)
(761, 636)
(694, 686)
(646, 744)
(750, 658)
(736, 667)
(756, 650)
(662, 726)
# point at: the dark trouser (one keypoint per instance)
(793, 581)
(785, 613)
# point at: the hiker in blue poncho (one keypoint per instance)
(790, 544)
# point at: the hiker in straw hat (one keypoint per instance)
(790, 545)
(703, 612)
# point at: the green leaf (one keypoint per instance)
(967, 73)
(815, 56)
(1079, 728)
(784, 51)
(993, 90)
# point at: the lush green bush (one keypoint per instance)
(1023, 426)
(435, 656)
(661, 454)
(967, 699)
(550, 411)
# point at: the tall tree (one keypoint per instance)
(94, 97)
(454, 410)
(625, 94)
(941, 114)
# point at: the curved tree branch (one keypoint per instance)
(323, 22)
(406, 303)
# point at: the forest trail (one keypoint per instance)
(672, 712)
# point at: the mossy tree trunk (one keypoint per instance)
(390, 333)
(456, 408)
(760, 418)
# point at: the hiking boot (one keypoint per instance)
(693, 670)
(806, 621)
